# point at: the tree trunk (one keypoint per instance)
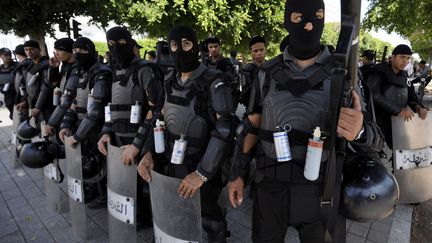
(40, 37)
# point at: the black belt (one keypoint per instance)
(120, 107)
(191, 142)
(295, 137)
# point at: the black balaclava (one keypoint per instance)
(86, 61)
(185, 61)
(122, 54)
(304, 44)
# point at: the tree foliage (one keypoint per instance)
(37, 18)
(411, 19)
(234, 22)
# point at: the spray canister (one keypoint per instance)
(135, 115)
(6, 87)
(108, 112)
(159, 138)
(313, 156)
(282, 146)
(179, 150)
(56, 96)
(90, 100)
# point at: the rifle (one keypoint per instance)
(343, 79)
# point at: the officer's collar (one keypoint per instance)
(321, 59)
(195, 74)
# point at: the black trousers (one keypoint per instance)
(278, 205)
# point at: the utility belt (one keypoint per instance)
(191, 142)
(291, 171)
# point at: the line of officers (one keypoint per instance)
(193, 102)
(119, 103)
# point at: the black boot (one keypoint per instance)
(216, 230)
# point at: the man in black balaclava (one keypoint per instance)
(291, 95)
(84, 116)
(207, 125)
(136, 83)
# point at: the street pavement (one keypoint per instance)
(25, 217)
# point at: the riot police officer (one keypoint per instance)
(6, 78)
(392, 93)
(258, 48)
(34, 82)
(285, 116)
(59, 78)
(136, 85)
(90, 94)
(216, 60)
(197, 111)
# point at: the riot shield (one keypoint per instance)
(122, 195)
(14, 140)
(52, 189)
(412, 158)
(76, 190)
(174, 219)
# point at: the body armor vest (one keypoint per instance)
(125, 93)
(85, 84)
(34, 79)
(186, 113)
(297, 111)
(394, 87)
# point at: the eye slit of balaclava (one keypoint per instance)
(186, 60)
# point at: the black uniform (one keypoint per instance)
(297, 100)
(7, 74)
(190, 109)
(391, 93)
(37, 88)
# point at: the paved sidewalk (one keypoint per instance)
(24, 216)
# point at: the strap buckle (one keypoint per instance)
(325, 203)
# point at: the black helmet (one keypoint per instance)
(27, 129)
(94, 167)
(36, 155)
(369, 191)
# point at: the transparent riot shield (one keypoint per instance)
(412, 158)
(52, 189)
(76, 190)
(53, 178)
(14, 140)
(175, 219)
(122, 195)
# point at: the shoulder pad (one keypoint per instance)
(250, 67)
(213, 74)
(272, 62)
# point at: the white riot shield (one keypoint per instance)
(122, 196)
(52, 189)
(175, 220)
(76, 190)
(412, 158)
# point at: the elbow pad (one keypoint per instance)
(222, 98)
(69, 119)
(84, 129)
(142, 134)
(216, 155)
(57, 116)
